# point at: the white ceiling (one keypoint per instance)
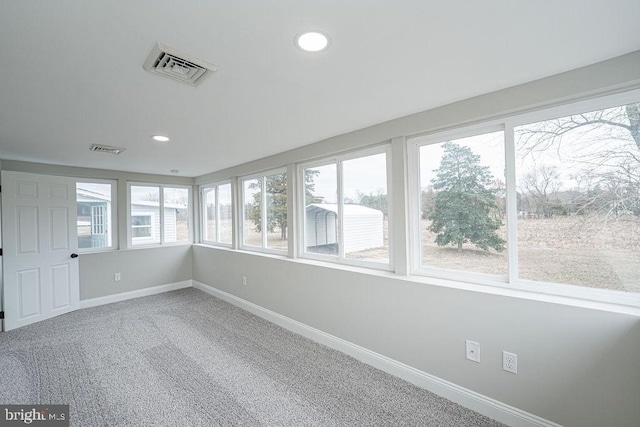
(71, 71)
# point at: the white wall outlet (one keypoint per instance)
(244, 280)
(116, 277)
(473, 351)
(510, 362)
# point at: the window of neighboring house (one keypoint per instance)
(141, 226)
(216, 214)
(95, 203)
(463, 203)
(264, 212)
(159, 214)
(346, 210)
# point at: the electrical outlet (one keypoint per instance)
(473, 351)
(244, 280)
(116, 277)
(510, 362)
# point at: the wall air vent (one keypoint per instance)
(106, 149)
(169, 62)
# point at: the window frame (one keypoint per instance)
(512, 280)
(263, 212)
(215, 186)
(338, 160)
(161, 220)
(112, 214)
(415, 189)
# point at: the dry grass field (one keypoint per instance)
(583, 251)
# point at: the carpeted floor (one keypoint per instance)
(185, 358)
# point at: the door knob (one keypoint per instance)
(74, 255)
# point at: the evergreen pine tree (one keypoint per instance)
(463, 201)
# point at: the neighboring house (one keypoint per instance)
(94, 211)
(363, 226)
(145, 222)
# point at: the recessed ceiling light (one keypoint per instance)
(312, 41)
(160, 138)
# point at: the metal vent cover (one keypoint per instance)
(106, 149)
(169, 62)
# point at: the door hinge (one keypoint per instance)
(1, 315)
(0, 251)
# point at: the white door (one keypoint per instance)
(40, 247)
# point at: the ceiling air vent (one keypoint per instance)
(106, 149)
(169, 62)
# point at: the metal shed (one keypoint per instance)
(363, 226)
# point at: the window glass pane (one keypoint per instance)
(462, 212)
(224, 213)
(365, 212)
(578, 183)
(321, 210)
(145, 215)
(252, 227)
(176, 214)
(93, 201)
(276, 202)
(209, 215)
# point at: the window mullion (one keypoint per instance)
(263, 207)
(512, 204)
(161, 203)
(340, 232)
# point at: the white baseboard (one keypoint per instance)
(485, 405)
(134, 294)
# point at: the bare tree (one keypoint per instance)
(601, 147)
(539, 185)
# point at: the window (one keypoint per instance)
(463, 204)
(264, 212)
(561, 207)
(141, 225)
(578, 199)
(95, 208)
(217, 214)
(346, 214)
(159, 214)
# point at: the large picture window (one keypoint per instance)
(561, 207)
(159, 214)
(578, 184)
(264, 212)
(217, 214)
(346, 209)
(463, 204)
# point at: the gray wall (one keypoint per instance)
(139, 268)
(578, 366)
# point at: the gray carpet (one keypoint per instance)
(185, 358)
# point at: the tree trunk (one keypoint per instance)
(459, 245)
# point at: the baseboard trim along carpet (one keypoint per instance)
(485, 405)
(145, 292)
